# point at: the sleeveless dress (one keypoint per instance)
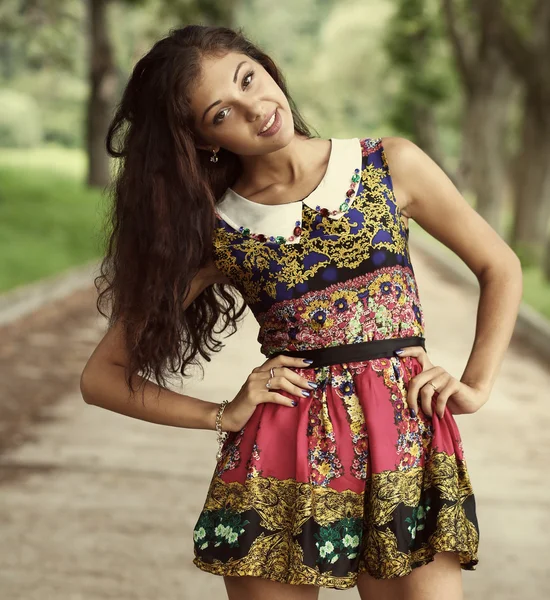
(347, 481)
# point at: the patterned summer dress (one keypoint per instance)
(348, 481)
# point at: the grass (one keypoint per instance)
(49, 220)
(536, 291)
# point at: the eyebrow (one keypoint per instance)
(234, 81)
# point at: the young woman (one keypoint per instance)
(340, 461)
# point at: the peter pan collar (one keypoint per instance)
(281, 219)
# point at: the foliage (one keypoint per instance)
(20, 125)
(419, 56)
(49, 221)
(331, 59)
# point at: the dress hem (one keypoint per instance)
(468, 562)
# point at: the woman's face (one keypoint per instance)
(233, 102)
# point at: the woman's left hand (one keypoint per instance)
(461, 398)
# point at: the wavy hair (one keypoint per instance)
(161, 219)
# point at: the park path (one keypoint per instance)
(96, 506)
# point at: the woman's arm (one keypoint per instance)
(103, 380)
(425, 194)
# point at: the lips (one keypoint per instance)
(266, 121)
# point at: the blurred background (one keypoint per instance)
(467, 80)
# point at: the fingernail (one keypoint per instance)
(399, 351)
(413, 413)
(307, 360)
(305, 393)
(312, 384)
(294, 403)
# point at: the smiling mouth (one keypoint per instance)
(269, 123)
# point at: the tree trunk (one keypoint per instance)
(546, 259)
(484, 133)
(426, 133)
(102, 98)
(532, 184)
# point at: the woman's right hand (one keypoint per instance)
(253, 392)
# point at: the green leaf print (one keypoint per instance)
(219, 527)
(415, 521)
(355, 326)
(339, 540)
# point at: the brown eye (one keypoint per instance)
(220, 116)
(247, 80)
(250, 74)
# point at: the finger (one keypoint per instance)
(295, 378)
(282, 360)
(426, 394)
(444, 391)
(434, 390)
(416, 352)
(416, 384)
(277, 398)
(280, 382)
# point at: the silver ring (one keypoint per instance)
(268, 385)
(433, 386)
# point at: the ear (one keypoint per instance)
(207, 147)
(202, 144)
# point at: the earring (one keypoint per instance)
(214, 157)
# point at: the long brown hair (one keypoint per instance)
(162, 218)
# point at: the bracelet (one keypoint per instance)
(222, 435)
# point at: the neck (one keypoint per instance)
(283, 167)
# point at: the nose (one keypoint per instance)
(253, 110)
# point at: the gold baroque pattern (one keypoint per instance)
(341, 245)
(285, 506)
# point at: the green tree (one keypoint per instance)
(488, 95)
(414, 47)
(103, 71)
(523, 34)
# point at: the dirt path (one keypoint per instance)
(96, 506)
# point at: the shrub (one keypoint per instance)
(20, 123)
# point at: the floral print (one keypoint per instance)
(416, 522)
(373, 306)
(322, 454)
(252, 470)
(231, 456)
(217, 528)
(346, 481)
(414, 435)
(340, 540)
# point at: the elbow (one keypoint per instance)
(86, 390)
(507, 267)
(515, 271)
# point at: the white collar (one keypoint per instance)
(280, 219)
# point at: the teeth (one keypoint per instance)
(269, 123)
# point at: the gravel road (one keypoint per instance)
(97, 506)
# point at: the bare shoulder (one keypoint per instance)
(397, 147)
(430, 198)
(401, 155)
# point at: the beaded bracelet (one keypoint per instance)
(222, 435)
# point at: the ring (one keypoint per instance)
(434, 387)
(268, 385)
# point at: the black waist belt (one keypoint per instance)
(354, 352)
